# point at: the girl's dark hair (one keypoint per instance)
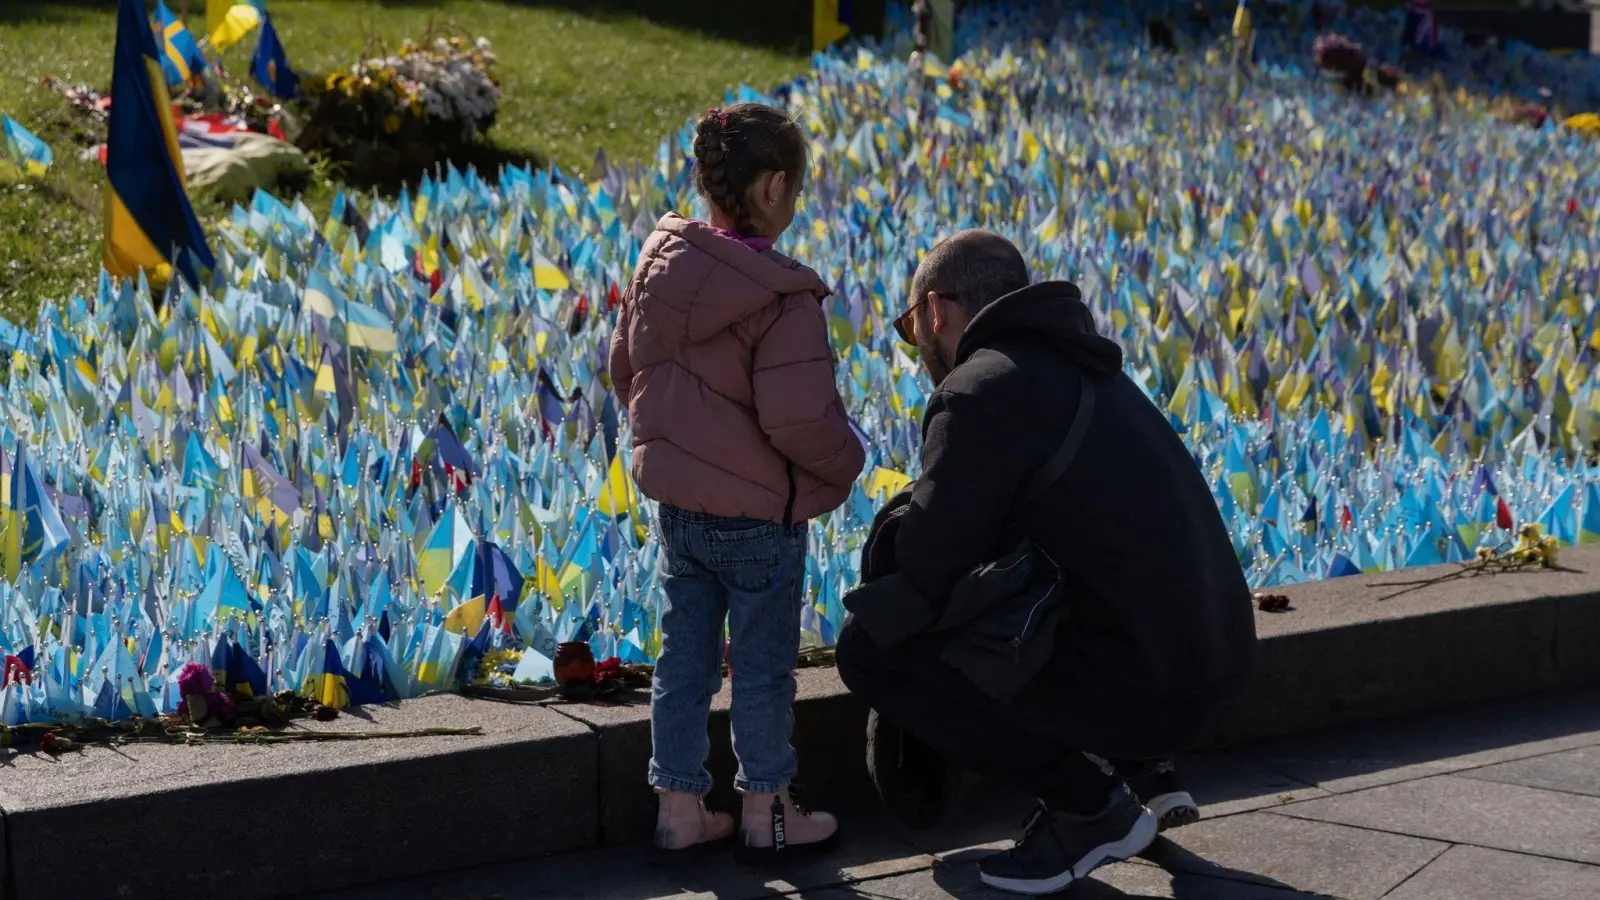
(734, 145)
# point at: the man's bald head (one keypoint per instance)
(973, 268)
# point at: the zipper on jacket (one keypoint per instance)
(1022, 634)
(788, 506)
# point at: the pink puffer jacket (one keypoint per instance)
(721, 356)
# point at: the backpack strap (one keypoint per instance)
(1057, 465)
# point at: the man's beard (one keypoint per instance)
(934, 359)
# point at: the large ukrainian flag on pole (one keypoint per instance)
(150, 225)
(830, 21)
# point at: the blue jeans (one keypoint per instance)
(751, 574)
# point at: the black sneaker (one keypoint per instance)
(1162, 792)
(916, 782)
(1059, 848)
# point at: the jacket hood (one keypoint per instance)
(1053, 311)
(714, 281)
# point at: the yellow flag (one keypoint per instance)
(618, 496)
(467, 618)
(228, 22)
(884, 483)
(825, 25)
(546, 583)
(324, 382)
(546, 275)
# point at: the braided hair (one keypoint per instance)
(734, 146)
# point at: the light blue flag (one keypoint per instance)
(1342, 567)
(35, 530)
(1560, 518)
(1589, 532)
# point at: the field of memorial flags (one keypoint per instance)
(378, 449)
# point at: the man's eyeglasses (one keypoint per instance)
(904, 324)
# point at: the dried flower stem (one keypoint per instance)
(1531, 550)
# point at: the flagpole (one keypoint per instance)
(349, 363)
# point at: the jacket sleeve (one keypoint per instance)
(618, 363)
(878, 553)
(796, 399)
(972, 469)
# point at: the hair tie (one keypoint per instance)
(721, 117)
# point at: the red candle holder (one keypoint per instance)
(574, 664)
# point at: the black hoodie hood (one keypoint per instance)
(1051, 311)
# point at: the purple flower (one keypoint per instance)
(195, 682)
(195, 678)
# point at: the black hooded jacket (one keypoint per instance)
(1160, 612)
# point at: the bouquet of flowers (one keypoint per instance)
(237, 103)
(400, 109)
(452, 83)
(1586, 124)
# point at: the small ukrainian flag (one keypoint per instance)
(23, 149)
(369, 328)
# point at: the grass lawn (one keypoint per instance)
(579, 76)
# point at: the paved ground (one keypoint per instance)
(1495, 802)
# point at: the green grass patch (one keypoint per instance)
(579, 76)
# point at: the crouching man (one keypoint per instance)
(1055, 603)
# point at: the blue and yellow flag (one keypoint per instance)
(181, 59)
(236, 671)
(149, 222)
(366, 327)
(23, 149)
(271, 64)
(33, 526)
(332, 685)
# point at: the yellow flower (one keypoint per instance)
(391, 124)
(1530, 536)
(1550, 550)
(1585, 123)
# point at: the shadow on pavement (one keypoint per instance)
(1443, 741)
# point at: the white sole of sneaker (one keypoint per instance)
(1174, 810)
(1140, 836)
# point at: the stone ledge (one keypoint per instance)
(158, 820)
(1346, 654)
(561, 777)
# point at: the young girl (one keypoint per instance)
(721, 355)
